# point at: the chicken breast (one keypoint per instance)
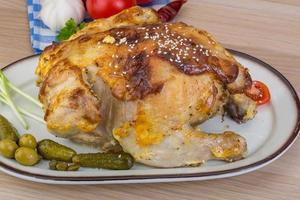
(145, 86)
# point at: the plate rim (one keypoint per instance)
(135, 178)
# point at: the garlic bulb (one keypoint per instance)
(55, 13)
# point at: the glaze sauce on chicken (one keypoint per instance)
(180, 49)
(184, 52)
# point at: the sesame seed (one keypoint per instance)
(123, 40)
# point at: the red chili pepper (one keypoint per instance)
(259, 92)
(169, 11)
(142, 2)
(84, 3)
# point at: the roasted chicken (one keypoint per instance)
(133, 83)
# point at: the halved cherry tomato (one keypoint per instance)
(259, 93)
(106, 8)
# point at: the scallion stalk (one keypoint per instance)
(6, 98)
(25, 112)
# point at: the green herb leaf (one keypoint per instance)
(81, 25)
(69, 29)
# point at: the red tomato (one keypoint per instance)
(106, 8)
(259, 92)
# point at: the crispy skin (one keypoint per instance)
(125, 65)
(60, 112)
(148, 85)
(129, 17)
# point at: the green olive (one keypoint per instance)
(7, 130)
(27, 140)
(8, 148)
(26, 156)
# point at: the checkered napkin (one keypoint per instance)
(41, 36)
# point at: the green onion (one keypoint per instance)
(30, 98)
(6, 98)
(25, 112)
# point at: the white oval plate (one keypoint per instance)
(268, 136)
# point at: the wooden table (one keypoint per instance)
(269, 30)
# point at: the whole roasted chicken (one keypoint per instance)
(133, 83)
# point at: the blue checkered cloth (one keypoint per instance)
(41, 36)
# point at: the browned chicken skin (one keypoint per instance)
(145, 84)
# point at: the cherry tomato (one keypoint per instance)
(259, 93)
(106, 8)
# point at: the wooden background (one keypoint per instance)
(269, 30)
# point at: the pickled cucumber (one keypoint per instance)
(117, 161)
(73, 167)
(51, 150)
(7, 131)
(61, 166)
(52, 164)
